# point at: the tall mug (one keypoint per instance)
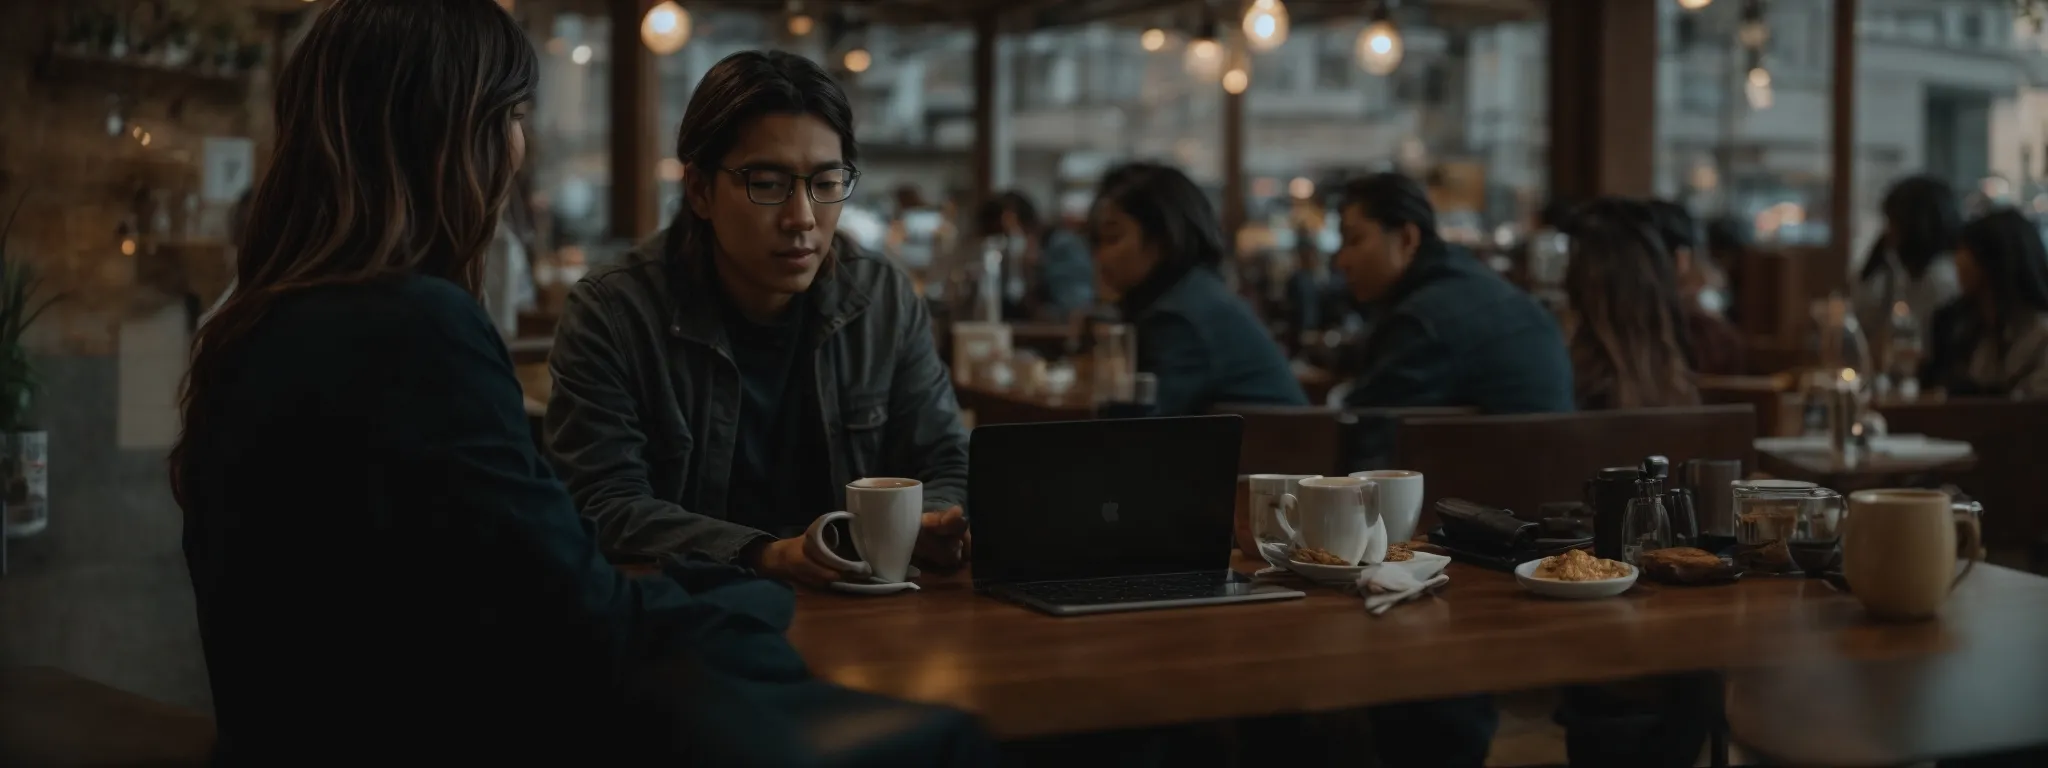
(1899, 551)
(1400, 500)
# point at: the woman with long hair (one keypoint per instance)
(1994, 340)
(383, 565)
(1157, 250)
(1626, 336)
(1912, 262)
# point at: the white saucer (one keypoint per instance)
(874, 587)
(1424, 566)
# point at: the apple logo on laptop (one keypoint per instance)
(1109, 512)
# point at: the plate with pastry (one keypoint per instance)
(1688, 566)
(1576, 575)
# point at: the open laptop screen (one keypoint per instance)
(1110, 497)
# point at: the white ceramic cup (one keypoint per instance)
(1265, 500)
(1337, 515)
(884, 514)
(1399, 502)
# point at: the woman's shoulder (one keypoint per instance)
(414, 309)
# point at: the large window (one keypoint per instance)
(568, 135)
(1743, 111)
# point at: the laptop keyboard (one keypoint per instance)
(1128, 589)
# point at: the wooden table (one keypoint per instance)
(1032, 675)
(1986, 691)
(1872, 470)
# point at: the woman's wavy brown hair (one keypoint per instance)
(392, 158)
(1628, 344)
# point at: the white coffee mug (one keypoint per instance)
(1399, 502)
(1265, 499)
(884, 514)
(1337, 515)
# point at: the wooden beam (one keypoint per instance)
(1603, 98)
(987, 31)
(1233, 169)
(1842, 139)
(634, 194)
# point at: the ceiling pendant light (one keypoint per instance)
(1152, 40)
(1379, 45)
(1265, 25)
(1694, 5)
(1205, 53)
(666, 28)
(800, 23)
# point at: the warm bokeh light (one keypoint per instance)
(1694, 5)
(666, 28)
(1153, 39)
(557, 46)
(580, 55)
(669, 169)
(858, 60)
(144, 138)
(128, 246)
(1236, 80)
(1265, 25)
(800, 25)
(1379, 48)
(1205, 59)
(1301, 188)
(1758, 89)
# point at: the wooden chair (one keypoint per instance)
(2011, 441)
(1524, 461)
(1766, 394)
(49, 717)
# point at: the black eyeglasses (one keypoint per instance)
(768, 186)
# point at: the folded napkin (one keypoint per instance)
(1385, 586)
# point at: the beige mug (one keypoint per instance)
(1899, 551)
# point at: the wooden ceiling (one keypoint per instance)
(1022, 15)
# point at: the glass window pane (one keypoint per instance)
(1743, 129)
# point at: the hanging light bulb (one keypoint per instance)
(1379, 46)
(800, 23)
(1236, 80)
(1694, 5)
(1153, 39)
(857, 60)
(1754, 33)
(665, 28)
(1265, 25)
(1758, 89)
(1205, 55)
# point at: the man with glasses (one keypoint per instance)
(717, 390)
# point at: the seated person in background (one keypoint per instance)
(1913, 262)
(366, 518)
(717, 390)
(1059, 273)
(1626, 336)
(1446, 330)
(1157, 247)
(1712, 344)
(1994, 340)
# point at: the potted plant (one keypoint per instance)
(24, 449)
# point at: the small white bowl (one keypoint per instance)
(1525, 574)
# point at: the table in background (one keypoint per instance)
(1033, 675)
(1873, 470)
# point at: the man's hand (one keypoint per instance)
(943, 543)
(788, 560)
